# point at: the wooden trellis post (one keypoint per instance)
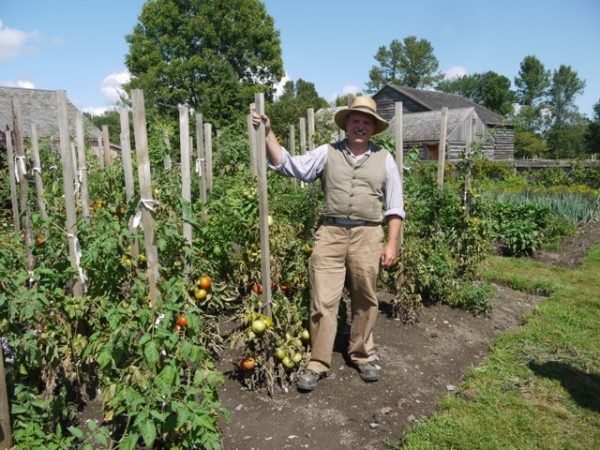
(442, 146)
(69, 192)
(469, 167)
(147, 202)
(12, 175)
(292, 144)
(85, 201)
(208, 154)
(252, 135)
(21, 174)
(310, 114)
(263, 207)
(167, 160)
(106, 146)
(6, 442)
(125, 140)
(399, 145)
(37, 172)
(302, 135)
(201, 163)
(186, 175)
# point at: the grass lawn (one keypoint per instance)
(539, 388)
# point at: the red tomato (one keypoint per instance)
(182, 321)
(248, 363)
(205, 282)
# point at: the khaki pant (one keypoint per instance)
(341, 255)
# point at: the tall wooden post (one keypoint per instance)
(125, 141)
(21, 173)
(442, 145)
(310, 114)
(106, 146)
(252, 136)
(302, 135)
(468, 172)
(37, 172)
(6, 442)
(68, 183)
(200, 148)
(147, 202)
(208, 154)
(12, 175)
(292, 144)
(263, 207)
(85, 202)
(186, 172)
(399, 145)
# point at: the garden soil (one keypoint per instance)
(420, 362)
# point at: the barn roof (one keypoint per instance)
(435, 100)
(425, 126)
(40, 107)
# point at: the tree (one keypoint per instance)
(409, 63)
(592, 136)
(488, 89)
(212, 55)
(528, 144)
(532, 85)
(565, 137)
(293, 103)
(565, 86)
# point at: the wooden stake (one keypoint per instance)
(21, 173)
(399, 141)
(106, 146)
(310, 114)
(442, 146)
(37, 172)
(10, 156)
(208, 154)
(147, 202)
(186, 173)
(302, 135)
(6, 442)
(201, 161)
(69, 192)
(85, 201)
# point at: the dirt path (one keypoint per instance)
(421, 363)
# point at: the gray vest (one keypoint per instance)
(354, 191)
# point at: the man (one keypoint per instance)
(362, 189)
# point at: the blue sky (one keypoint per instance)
(79, 45)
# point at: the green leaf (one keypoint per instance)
(149, 433)
(76, 432)
(129, 442)
(151, 353)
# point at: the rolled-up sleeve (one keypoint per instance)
(394, 197)
(306, 167)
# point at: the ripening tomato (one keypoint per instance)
(257, 288)
(200, 294)
(39, 241)
(182, 321)
(248, 363)
(205, 282)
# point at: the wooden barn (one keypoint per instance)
(421, 123)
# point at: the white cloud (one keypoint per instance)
(95, 110)
(349, 89)
(112, 86)
(13, 42)
(279, 86)
(20, 83)
(455, 72)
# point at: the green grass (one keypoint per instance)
(539, 388)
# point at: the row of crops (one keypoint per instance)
(154, 363)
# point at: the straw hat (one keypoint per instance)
(363, 104)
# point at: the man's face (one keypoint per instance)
(359, 127)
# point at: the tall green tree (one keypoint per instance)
(566, 135)
(209, 54)
(592, 136)
(409, 63)
(532, 84)
(293, 103)
(565, 86)
(489, 89)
